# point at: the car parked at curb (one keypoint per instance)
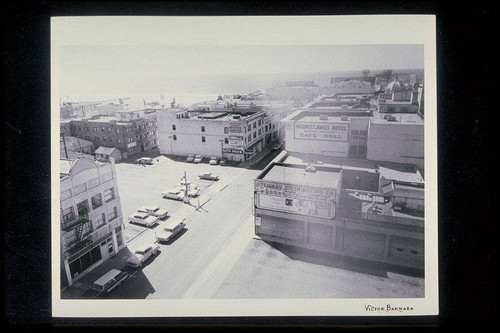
(143, 219)
(171, 228)
(198, 158)
(213, 161)
(143, 253)
(192, 192)
(109, 281)
(223, 162)
(144, 160)
(208, 176)
(190, 158)
(154, 211)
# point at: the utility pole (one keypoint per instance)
(64, 143)
(186, 199)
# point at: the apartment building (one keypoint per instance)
(91, 216)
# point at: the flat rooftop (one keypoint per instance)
(298, 176)
(401, 118)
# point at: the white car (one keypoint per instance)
(198, 158)
(143, 219)
(154, 211)
(190, 158)
(172, 228)
(174, 194)
(208, 176)
(144, 160)
(213, 161)
(142, 254)
(192, 192)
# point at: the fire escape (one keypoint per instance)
(83, 233)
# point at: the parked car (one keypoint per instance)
(277, 146)
(208, 176)
(188, 183)
(198, 158)
(109, 281)
(192, 192)
(172, 228)
(154, 211)
(213, 161)
(223, 162)
(190, 158)
(143, 219)
(142, 254)
(144, 160)
(174, 194)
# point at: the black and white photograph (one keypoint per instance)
(256, 166)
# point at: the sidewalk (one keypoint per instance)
(77, 290)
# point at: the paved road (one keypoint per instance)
(177, 269)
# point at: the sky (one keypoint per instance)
(102, 67)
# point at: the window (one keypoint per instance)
(289, 202)
(175, 137)
(104, 138)
(405, 109)
(259, 122)
(226, 140)
(93, 183)
(117, 131)
(82, 208)
(130, 139)
(103, 129)
(66, 194)
(79, 128)
(110, 139)
(254, 135)
(87, 137)
(363, 134)
(113, 215)
(250, 138)
(391, 109)
(100, 220)
(249, 127)
(354, 134)
(119, 140)
(265, 128)
(109, 194)
(203, 139)
(109, 129)
(86, 129)
(96, 138)
(80, 188)
(119, 239)
(173, 127)
(94, 129)
(68, 214)
(259, 131)
(226, 130)
(254, 125)
(413, 251)
(203, 128)
(96, 201)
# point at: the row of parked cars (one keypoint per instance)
(213, 161)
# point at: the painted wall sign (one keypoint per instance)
(321, 131)
(232, 151)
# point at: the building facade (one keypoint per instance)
(235, 135)
(337, 210)
(91, 216)
(130, 131)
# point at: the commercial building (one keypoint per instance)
(91, 216)
(233, 133)
(130, 131)
(340, 210)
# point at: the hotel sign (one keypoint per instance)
(321, 131)
(303, 200)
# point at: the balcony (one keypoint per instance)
(73, 223)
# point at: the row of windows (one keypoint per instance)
(226, 129)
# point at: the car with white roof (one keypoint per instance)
(190, 158)
(208, 176)
(192, 192)
(142, 253)
(198, 158)
(175, 194)
(144, 160)
(143, 219)
(154, 211)
(213, 161)
(171, 228)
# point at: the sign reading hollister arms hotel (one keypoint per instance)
(304, 200)
(321, 131)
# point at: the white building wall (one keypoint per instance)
(394, 142)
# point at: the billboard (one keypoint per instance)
(303, 200)
(321, 131)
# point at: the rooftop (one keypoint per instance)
(298, 176)
(399, 118)
(407, 176)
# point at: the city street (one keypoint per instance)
(217, 256)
